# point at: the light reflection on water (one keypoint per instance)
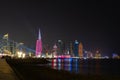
(84, 66)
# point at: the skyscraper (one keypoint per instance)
(71, 48)
(38, 45)
(76, 48)
(54, 50)
(80, 51)
(60, 47)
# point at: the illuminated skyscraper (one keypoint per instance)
(80, 51)
(76, 48)
(71, 48)
(60, 47)
(39, 45)
(97, 54)
(54, 50)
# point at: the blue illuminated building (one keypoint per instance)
(76, 43)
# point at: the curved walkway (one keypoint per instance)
(6, 72)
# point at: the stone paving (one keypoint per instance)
(6, 72)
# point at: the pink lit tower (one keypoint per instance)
(39, 46)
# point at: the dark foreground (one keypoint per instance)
(29, 70)
(6, 72)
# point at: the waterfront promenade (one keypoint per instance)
(6, 72)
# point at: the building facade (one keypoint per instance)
(39, 46)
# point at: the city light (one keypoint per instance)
(60, 49)
(20, 54)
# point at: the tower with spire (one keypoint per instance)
(38, 45)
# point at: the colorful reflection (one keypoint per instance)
(67, 64)
(76, 65)
(87, 66)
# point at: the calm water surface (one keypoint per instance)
(99, 67)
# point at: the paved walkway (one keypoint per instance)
(6, 72)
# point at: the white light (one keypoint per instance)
(84, 58)
(30, 54)
(38, 56)
(19, 54)
(49, 56)
(23, 55)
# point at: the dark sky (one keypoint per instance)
(94, 23)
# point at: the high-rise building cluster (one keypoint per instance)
(62, 49)
(72, 49)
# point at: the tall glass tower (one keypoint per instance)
(60, 47)
(39, 46)
(71, 48)
(76, 44)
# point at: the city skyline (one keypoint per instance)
(93, 23)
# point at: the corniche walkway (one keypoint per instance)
(6, 72)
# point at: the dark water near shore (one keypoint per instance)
(91, 66)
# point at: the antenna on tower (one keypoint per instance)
(39, 35)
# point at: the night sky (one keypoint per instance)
(93, 23)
